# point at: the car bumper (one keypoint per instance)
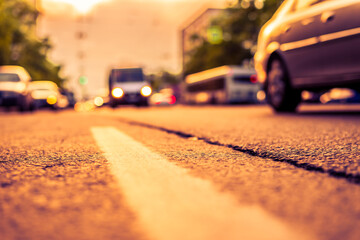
(41, 103)
(130, 98)
(260, 66)
(8, 98)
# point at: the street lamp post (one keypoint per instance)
(81, 36)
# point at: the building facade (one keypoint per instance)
(195, 31)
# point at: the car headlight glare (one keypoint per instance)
(117, 93)
(146, 91)
(51, 99)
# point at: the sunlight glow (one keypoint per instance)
(83, 6)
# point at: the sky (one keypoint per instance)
(117, 33)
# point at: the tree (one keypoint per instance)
(163, 79)
(240, 26)
(20, 46)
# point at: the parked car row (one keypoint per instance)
(47, 94)
(18, 90)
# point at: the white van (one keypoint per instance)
(128, 86)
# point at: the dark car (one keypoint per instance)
(309, 45)
(14, 91)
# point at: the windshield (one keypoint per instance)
(9, 77)
(127, 75)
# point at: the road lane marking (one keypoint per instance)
(172, 205)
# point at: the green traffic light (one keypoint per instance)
(83, 80)
(215, 35)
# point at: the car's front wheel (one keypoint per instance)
(113, 104)
(281, 96)
(23, 104)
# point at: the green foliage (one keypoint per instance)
(240, 25)
(19, 45)
(162, 79)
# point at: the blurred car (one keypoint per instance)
(128, 86)
(14, 81)
(309, 45)
(163, 97)
(69, 96)
(47, 94)
(340, 95)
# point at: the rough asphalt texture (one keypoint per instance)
(324, 141)
(55, 184)
(313, 202)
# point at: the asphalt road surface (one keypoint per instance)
(209, 172)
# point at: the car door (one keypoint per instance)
(299, 41)
(341, 40)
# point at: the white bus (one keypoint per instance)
(223, 85)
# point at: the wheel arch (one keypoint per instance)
(277, 55)
(291, 96)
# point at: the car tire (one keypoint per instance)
(145, 103)
(23, 105)
(113, 104)
(33, 107)
(142, 104)
(280, 94)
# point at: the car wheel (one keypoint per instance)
(33, 107)
(23, 105)
(145, 103)
(113, 104)
(142, 103)
(281, 96)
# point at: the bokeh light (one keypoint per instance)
(82, 6)
(117, 92)
(146, 91)
(99, 101)
(51, 99)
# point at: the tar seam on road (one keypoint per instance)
(352, 178)
(169, 203)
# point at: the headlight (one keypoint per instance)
(146, 91)
(51, 99)
(117, 93)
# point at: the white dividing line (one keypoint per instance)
(172, 205)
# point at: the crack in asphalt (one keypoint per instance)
(5, 184)
(352, 178)
(53, 165)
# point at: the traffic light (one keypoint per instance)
(83, 80)
(215, 35)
